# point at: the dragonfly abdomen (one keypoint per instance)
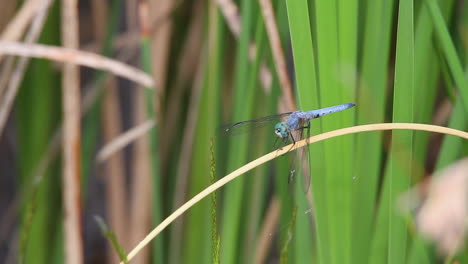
(328, 110)
(298, 119)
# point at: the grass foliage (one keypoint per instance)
(399, 61)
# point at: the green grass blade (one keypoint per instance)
(379, 247)
(290, 234)
(371, 103)
(418, 252)
(93, 117)
(197, 241)
(308, 98)
(426, 81)
(37, 116)
(244, 92)
(215, 239)
(157, 195)
(452, 146)
(400, 162)
(340, 150)
(449, 50)
(112, 238)
(257, 184)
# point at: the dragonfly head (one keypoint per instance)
(281, 130)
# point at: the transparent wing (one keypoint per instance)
(305, 162)
(300, 159)
(250, 125)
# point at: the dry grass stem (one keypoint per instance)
(277, 153)
(187, 67)
(8, 12)
(5, 73)
(74, 56)
(442, 113)
(123, 140)
(268, 226)
(71, 139)
(114, 170)
(278, 54)
(53, 149)
(100, 15)
(17, 26)
(121, 42)
(20, 22)
(140, 199)
(8, 98)
(231, 14)
(161, 43)
(115, 185)
(131, 12)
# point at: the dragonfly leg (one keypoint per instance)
(308, 125)
(282, 143)
(293, 140)
(276, 143)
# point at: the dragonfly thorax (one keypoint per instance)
(281, 130)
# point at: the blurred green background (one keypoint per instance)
(399, 61)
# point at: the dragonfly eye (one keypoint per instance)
(281, 130)
(278, 132)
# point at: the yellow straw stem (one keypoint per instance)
(255, 163)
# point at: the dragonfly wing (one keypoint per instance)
(305, 162)
(249, 125)
(300, 159)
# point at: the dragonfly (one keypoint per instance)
(287, 126)
(288, 122)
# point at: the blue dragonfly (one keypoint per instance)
(288, 123)
(289, 126)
